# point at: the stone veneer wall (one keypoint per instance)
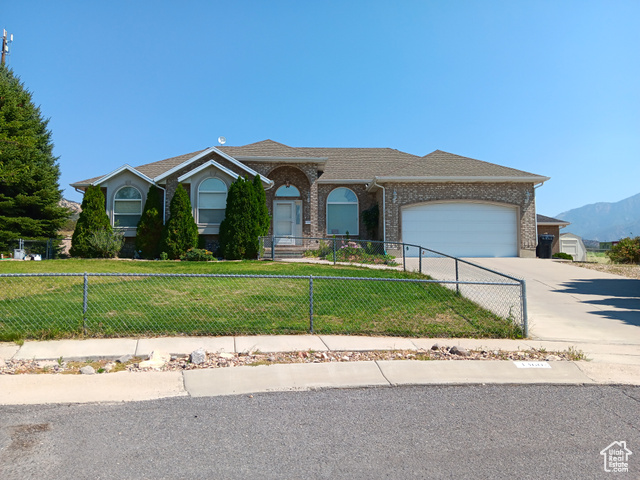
(508, 193)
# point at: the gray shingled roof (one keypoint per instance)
(545, 219)
(357, 163)
(265, 148)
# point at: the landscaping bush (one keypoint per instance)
(626, 251)
(106, 243)
(180, 233)
(149, 231)
(370, 218)
(92, 219)
(562, 256)
(352, 252)
(246, 219)
(198, 255)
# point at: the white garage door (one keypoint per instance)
(462, 229)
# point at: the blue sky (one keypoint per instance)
(549, 87)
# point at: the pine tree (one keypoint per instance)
(180, 233)
(246, 218)
(29, 173)
(93, 218)
(149, 231)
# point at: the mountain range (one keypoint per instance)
(604, 221)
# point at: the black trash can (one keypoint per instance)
(545, 243)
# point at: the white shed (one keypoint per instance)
(573, 245)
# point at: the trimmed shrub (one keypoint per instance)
(562, 256)
(149, 231)
(107, 243)
(626, 251)
(246, 219)
(198, 255)
(92, 219)
(370, 218)
(180, 233)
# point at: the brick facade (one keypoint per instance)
(304, 176)
(520, 195)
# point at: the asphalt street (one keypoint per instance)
(482, 431)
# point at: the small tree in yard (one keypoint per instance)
(246, 219)
(626, 250)
(180, 233)
(149, 231)
(93, 218)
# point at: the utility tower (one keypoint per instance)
(5, 45)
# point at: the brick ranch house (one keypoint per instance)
(445, 202)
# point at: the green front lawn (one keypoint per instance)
(52, 307)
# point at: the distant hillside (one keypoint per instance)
(605, 221)
(73, 206)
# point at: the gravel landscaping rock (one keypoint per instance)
(88, 370)
(198, 357)
(229, 360)
(124, 358)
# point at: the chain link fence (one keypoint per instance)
(22, 249)
(492, 290)
(114, 305)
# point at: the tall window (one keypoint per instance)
(342, 212)
(212, 201)
(127, 207)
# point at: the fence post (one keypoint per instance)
(404, 262)
(525, 318)
(310, 303)
(85, 296)
(334, 250)
(420, 261)
(457, 278)
(273, 246)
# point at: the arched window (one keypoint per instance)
(127, 207)
(212, 201)
(342, 212)
(287, 191)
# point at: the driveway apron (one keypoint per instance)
(570, 303)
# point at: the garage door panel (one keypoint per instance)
(462, 229)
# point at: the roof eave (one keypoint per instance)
(124, 167)
(464, 179)
(342, 181)
(231, 173)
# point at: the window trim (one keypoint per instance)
(357, 215)
(198, 191)
(115, 202)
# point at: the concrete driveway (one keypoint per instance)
(569, 303)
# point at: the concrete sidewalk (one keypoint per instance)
(609, 364)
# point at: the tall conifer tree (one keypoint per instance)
(149, 231)
(29, 173)
(93, 218)
(180, 233)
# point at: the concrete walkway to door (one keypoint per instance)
(570, 303)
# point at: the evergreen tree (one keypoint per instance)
(246, 218)
(29, 173)
(149, 231)
(93, 219)
(180, 233)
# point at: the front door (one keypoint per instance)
(287, 221)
